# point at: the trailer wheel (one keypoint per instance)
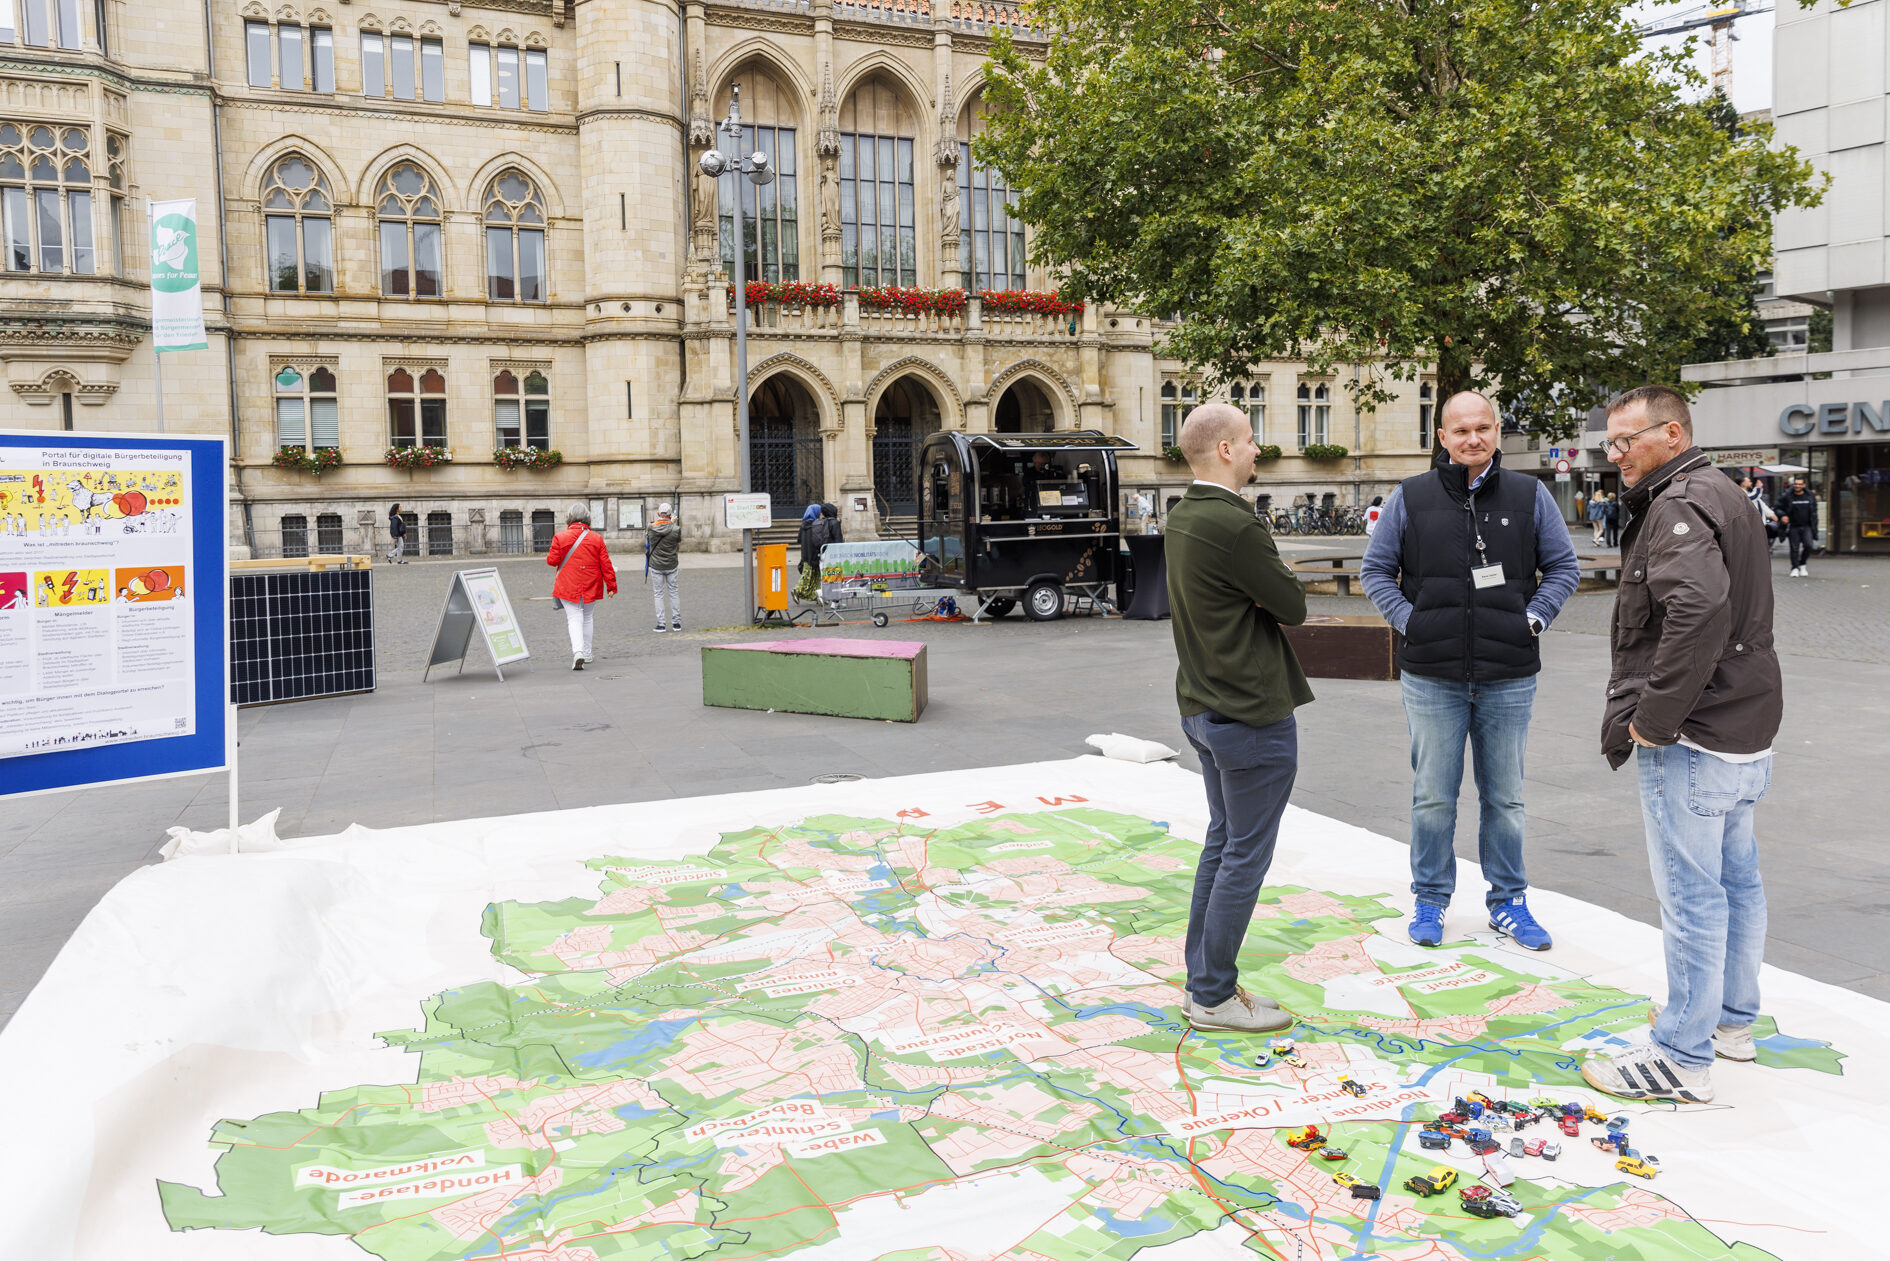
(1001, 606)
(1043, 602)
(879, 619)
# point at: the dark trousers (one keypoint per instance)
(1801, 538)
(1249, 774)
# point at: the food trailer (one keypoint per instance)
(1030, 517)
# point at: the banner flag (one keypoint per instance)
(176, 295)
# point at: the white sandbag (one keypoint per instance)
(1129, 748)
(250, 838)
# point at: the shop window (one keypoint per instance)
(297, 228)
(295, 535)
(416, 408)
(46, 199)
(515, 240)
(512, 532)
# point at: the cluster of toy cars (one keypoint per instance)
(1284, 1049)
(1494, 1116)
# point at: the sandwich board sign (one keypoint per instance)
(476, 603)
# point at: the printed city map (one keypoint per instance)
(904, 1038)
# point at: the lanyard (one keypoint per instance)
(1477, 528)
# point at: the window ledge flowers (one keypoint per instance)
(913, 301)
(1268, 451)
(417, 457)
(791, 293)
(1027, 302)
(509, 458)
(1322, 451)
(302, 460)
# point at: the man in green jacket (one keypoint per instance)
(1237, 686)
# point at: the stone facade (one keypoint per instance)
(372, 137)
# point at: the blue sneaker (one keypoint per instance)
(1427, 924)
(1513, 917)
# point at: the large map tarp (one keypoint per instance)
(931, 1017)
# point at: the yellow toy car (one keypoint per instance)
(1639, 1166)
(1590, 1115)
(1439, 1180)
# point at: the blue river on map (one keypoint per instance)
(1149, 1225)
(652, 1037)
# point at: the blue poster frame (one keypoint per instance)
(208, 748)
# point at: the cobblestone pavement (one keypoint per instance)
(633, 728)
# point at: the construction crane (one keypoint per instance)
(1719, 19)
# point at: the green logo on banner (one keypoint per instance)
(173, 254)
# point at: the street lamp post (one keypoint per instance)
(759, 171)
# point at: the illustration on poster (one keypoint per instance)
(161, 584)
(51, 504)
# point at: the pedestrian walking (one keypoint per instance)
(585, 576)
(1598, 515)
(809, 550)
(1237, 686)
(1694, 695)
(396, 531)
(1471, 564)
(661, 544)
(1798, 508)
(1611, 521)
(1372, 514)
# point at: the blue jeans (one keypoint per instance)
(1494, 717)
(1249, 775)
(1705, 863)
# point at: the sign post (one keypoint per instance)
(476, 601)
(114, 610)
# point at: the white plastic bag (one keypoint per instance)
(250, 838)
(1129, 748)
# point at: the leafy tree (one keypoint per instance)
(1509, 190)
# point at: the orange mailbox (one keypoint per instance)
(771, 584)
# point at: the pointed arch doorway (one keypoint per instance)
(906, 415)
(784, 455)
(1024, 408)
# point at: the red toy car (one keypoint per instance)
(1307, 1139)
(1571, 1126)
(1535, 1148)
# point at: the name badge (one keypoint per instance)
(1487, 576)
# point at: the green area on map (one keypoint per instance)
(826, 1031)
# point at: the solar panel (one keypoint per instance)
(295, 635)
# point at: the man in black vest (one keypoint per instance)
(1453, 566)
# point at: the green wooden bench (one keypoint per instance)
(848, 678)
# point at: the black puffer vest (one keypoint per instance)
(1458, 631)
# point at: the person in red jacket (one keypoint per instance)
(585, 576)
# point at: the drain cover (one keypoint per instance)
(833, 779)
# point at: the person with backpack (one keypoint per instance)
(585, 576)
(809, 548)
(662, 543)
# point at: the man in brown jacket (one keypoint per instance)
(1695, 696)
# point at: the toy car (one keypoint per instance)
(1479, 1097)
(1436, 1140)
(1477, 1134)
(1572, 1110)
(1476, 1110)
(1523, 1120)
(1516, 1147)
(1293, 1061)
(1570, 1127)
(1345, 1179)
(1505, 1203)
(1496, 1169)
(1551, 1150)
(1482, 1147)
(1619, 1139)
(1535, 1147)
(1605, 1144)
(1307, 1139)
(1481, 1208)
(1460, 1104)
(1499, 1121)
(1545, 1103)
(1474, 1191)
(1262, 1060)
(1454, 1117)
(1360, 1190)
(1349, 1086)
(1639, 1166)
(1281, 1046)
(1589, 1114)
(1332, 1153)
(1617, 1122)
(1439, 1180)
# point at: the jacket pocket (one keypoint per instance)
(1633, 602)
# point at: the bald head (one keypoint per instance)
(1203, 432)
(1469, 430)
(1466, 403)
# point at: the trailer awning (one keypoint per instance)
(1078, 440)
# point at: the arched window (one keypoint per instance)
(1426, 413)
(307, 413)
(990, 237)
(1251, 397)
(515, 240)
(46, 199)
(298, 229)
(771, 213)
(1315, 413)
(408, 208)
(522, 415)
(416, 408)
(878, 243)
(115, 156)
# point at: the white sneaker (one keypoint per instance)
(1645, 1072)
(1260, 1000)
(1239, 1014)
(1730, 1042)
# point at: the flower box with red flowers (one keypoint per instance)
(417, 457)
(302, 460)
(790, 293)
(1027, 302)
(897, 300)
(510, 458)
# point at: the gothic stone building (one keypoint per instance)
(478, 225)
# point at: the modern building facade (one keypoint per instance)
(479, 227)
(1828, 413)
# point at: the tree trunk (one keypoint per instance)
(1453, 377)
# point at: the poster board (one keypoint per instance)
(849, 570)
(476, 603)
(747, 512)
(114, 609)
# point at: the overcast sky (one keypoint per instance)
(1752, 49)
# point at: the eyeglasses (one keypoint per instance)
(1620, 445)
